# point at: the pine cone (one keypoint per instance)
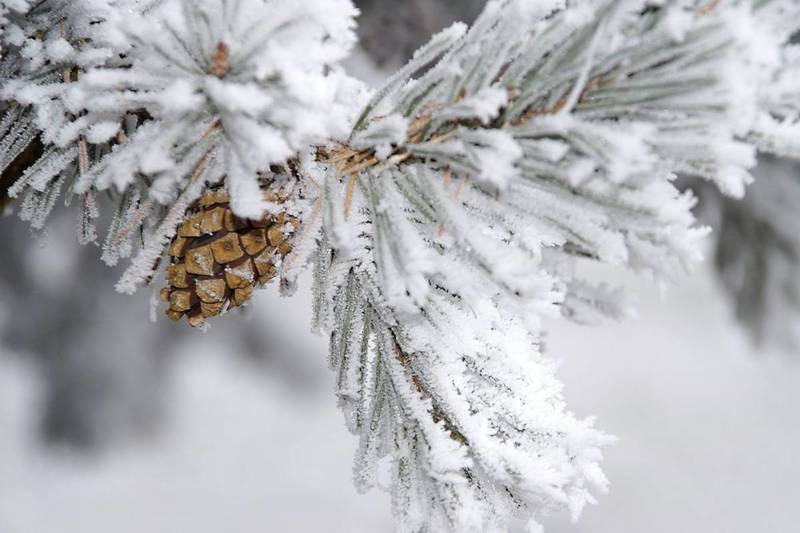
(219, 259)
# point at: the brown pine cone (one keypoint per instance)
(219, 259)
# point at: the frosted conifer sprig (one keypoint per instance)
(777, 128)
(227, 98)
(193, 91)
(43, 46)
(459, 398)
(221, 78)
(9, 9)
(564, 117)
(471, 184)
(449, 222)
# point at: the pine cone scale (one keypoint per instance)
(219, 259)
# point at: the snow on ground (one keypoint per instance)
(708, 437)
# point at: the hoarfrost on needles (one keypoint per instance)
(443, 215)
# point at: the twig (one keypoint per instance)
(348, 198)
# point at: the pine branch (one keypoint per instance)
(462, 434)
(138, 94)
(450, 212)
(468, 191)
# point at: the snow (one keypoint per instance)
(707, 436)
(496, 154)
(435, 301)
(633, 112)
(485, 105)
(279, 89)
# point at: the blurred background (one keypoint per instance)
(111, 423)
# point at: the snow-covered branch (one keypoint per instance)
(449, 208)
(472, 183)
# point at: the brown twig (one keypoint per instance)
(708, 8)
(436, 413)
(348, 198)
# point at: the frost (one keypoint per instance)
(256, 105)
(548, 132)
(384, 135)
(202, 73)
(444, 214)
(485, 106)
(102, 132)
